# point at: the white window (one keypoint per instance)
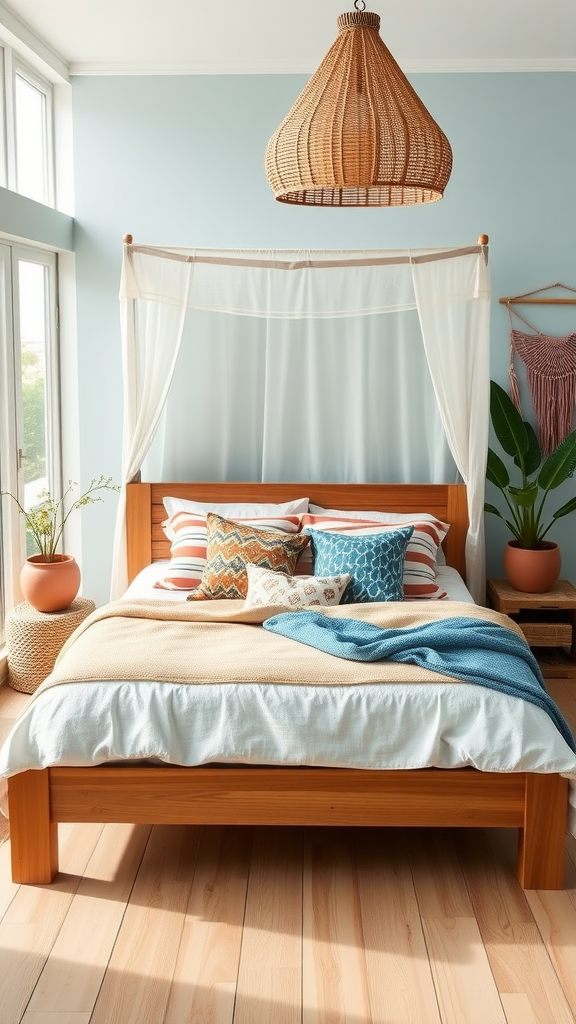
(30, 420)
(3, 146)
(27, 130)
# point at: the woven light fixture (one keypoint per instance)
(358, 134)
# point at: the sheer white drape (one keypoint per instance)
(307, 366)
(455, 332)
(151, 335)
(301, 400)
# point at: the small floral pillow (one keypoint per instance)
(266, 587)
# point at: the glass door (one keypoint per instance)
(30, 423)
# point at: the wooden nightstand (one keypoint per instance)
(548, 622)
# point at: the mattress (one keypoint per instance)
(396, 726)
(143, 585)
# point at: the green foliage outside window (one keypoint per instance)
(34, 416)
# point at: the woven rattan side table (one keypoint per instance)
(548, 622)
(35, 638)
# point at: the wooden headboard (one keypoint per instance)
(145, 511)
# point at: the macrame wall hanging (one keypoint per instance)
(550, 367)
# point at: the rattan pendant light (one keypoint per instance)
(358, 134)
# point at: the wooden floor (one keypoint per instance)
(191, 925)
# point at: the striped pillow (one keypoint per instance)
(188, 533)
(240, 510)
(419, 577)
(232, 546)
(395, 518)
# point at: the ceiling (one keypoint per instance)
(263, 36)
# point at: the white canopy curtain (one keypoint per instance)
(294, 341)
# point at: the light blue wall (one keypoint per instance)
(23, 218)
(179, 161)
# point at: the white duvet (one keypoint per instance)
(368, 726)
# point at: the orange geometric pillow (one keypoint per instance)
(231, 546)
(187, 531)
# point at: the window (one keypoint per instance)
(32, 177)
(29, 428)
(27, 137)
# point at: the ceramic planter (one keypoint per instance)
(50, 586)
(532, 570)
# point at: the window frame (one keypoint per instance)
(13, 540)
(13, 66)
(3, 128)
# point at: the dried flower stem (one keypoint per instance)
(46, 521)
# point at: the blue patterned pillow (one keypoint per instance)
(375, 562)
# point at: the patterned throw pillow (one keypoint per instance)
(187, 530)
(375, 562)
(266, 587)
(231, 546)
(419, 578)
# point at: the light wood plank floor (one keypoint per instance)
(186, 925)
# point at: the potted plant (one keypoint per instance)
(526, 499)
(49, 580)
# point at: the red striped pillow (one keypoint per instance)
(419, 579)
(188, 533)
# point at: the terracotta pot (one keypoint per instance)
(50, 586)
(532, 570)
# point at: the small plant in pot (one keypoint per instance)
(49, 580)
(538, 475)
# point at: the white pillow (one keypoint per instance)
(266, 587)
(234, 510)
(382, 517)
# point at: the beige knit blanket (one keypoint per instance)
(219, 642)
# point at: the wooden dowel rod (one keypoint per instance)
(482, 241)
(540, 302)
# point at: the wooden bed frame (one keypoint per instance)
(535, 804)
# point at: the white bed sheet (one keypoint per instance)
(448, 725)
(143, 585)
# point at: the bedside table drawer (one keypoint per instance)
(547, 634)
(548, 622)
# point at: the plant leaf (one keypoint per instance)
(533, 455)
(565, 510)
(508, 424)
(560, 465)
(492, 508)
(496, 512)
(496, 471)
(524, 497)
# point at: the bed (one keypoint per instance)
(533, 802)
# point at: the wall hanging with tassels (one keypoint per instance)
(550, 366)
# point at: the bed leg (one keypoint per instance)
(33, 837)
(542, 840)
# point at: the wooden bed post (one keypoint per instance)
(457, 516)
(33, 837)
(541, 842)
(138, 527)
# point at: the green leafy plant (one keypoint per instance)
(45, 521)
(538, 475)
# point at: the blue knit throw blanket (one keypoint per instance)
(470, 649)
